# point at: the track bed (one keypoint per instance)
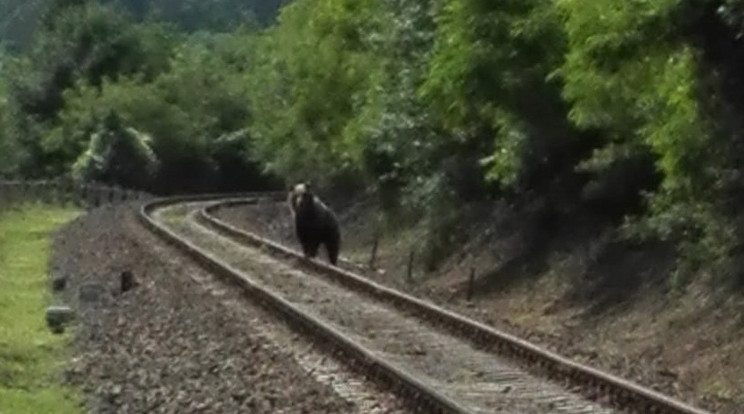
(480, 381)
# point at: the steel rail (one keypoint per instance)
(360, 358)
(595, 384)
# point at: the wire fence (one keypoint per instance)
(66, 192)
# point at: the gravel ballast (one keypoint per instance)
(172, 344)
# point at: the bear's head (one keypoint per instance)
(302, 197)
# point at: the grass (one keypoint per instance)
(31, 358)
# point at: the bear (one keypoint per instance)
(315, 223)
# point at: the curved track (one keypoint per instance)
(440, 361)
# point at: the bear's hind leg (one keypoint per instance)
(332, 247)
(311, 249)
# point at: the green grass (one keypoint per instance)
(31, 357)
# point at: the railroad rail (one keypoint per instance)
(607, 391)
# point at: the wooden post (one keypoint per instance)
(410, 267)
(373, 255)
(471, 283)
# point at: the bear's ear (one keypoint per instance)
(309, 184)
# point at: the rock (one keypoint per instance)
(128, 281)
(59, 283)
(91, 293)
(57, 317)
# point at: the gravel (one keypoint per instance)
(169, 344)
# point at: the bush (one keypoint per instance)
(631, 72)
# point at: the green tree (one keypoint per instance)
(488, 76)
(192, 112)
(77, 41)
(117, 155)
(21, 18)
(179, 147)
(632, 72)
(312, 74)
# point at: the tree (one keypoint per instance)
(192, 112)
(312, 75)
(79, 41)
(117, 155)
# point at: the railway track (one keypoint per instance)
(440, 361)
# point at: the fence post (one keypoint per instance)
(373, 255)
(471, 283)
(410, 266)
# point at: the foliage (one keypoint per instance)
(20, 18)
(625, 108)
(313, 70)
(185, 92)
(79, 41)
(489, 70)
(631, 72)
(194, 15)
(591, 103)
(18, 21)
(117, 155)
(402, 142)
(6, 142)
(9, 151)
(188, 111)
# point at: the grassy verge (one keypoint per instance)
(30, 356)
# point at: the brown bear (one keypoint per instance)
(315, 223)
